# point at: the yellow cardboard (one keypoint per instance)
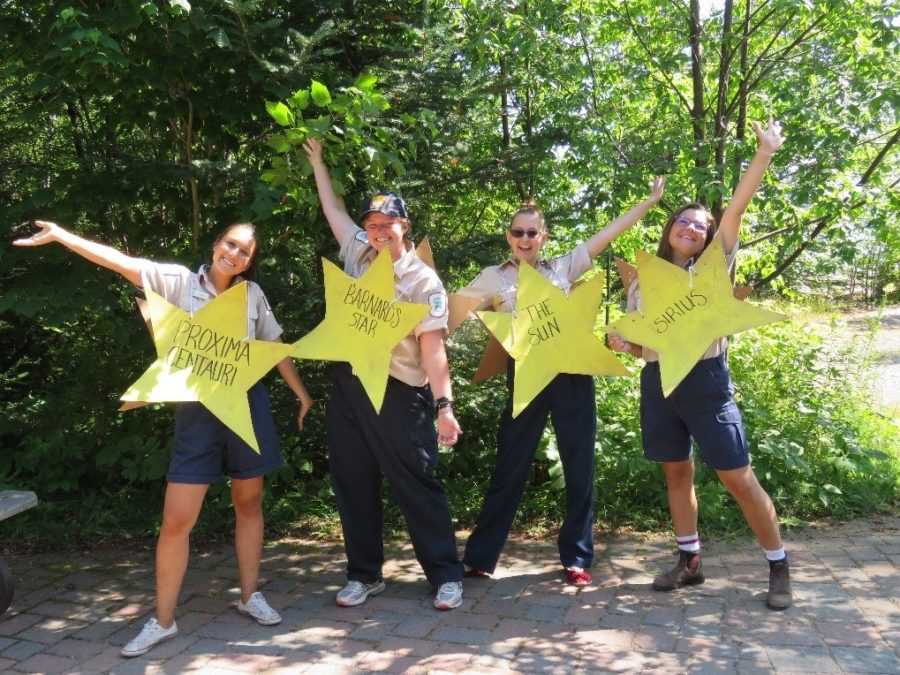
(206, 358)
(362, 325)
(684, 311)
(551, 333)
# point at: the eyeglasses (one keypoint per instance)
(685, 222)
(531, 234)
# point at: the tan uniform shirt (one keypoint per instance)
(497, 285)
(191, 290)
(416, 282)
(634, 303)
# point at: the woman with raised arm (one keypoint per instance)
(398, 442)
(204, 447)
(702, 406)
(569, 401)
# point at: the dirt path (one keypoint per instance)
(883, 350)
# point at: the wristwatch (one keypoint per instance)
(441, 403)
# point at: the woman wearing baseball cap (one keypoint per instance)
(398, 442)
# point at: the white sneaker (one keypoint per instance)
(356, 592)
(449, 595)
(259, 609)
(150, 636)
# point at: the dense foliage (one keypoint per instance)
(150, 124)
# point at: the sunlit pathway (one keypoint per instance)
(72, 613)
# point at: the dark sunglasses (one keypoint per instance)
(531, 234)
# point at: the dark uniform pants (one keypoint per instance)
(570, 403)
(401, 444)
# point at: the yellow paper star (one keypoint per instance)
(206, 358)
(363, 323)
(684, 313)
(551, 333)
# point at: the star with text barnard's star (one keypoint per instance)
(363, 323)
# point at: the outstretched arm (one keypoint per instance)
(342, 225)
(603, 238)
(770, 139)
(103, 255)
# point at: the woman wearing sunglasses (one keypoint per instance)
(702, 407)
(568, 400)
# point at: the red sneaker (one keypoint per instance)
(475, 573)
(579, 577)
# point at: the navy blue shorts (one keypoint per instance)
(701, 408)
(205, 449)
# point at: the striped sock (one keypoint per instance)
(689, 543)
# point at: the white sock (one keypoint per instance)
(689, 543)
(778, 555)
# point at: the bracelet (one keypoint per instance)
(442, 403)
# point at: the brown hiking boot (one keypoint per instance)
(686, 572)
(779, 595)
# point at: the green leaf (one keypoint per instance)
(220, 38)
(280, 113)
(300, 99)
(320, 95)
(366, 82)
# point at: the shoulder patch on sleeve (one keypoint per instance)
(437, 302)
(362, 237)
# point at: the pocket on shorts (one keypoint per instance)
(729, 415)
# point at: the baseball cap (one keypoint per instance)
(387, 203)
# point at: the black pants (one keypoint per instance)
(401, 444)
(569, 401)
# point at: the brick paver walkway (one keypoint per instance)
(73, 612)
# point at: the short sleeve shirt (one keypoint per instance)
(497, 286)
(415, 282)
(634, 303)
(192, 290)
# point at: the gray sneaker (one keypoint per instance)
(356, 592)
(449, 595)
(150, 636)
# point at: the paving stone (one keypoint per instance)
(75, 611)
(866, 660)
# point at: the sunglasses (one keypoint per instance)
(531, 234)
(685, 222)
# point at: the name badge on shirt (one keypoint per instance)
(438, 304)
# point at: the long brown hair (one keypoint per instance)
(529, 207)
(665, 250)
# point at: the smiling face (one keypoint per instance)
(234, 251)
(386, 231)
(687, 234)
(526, 236)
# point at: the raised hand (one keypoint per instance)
(770, 138)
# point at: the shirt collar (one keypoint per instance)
(406, 259)
(206, 282)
